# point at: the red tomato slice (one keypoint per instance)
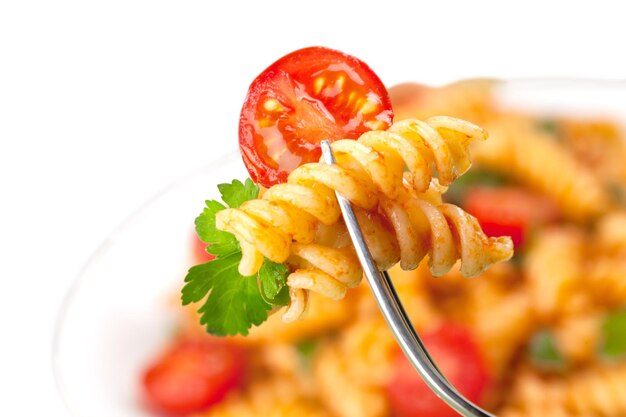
(455, 352)
(509, 211)
(193, 375)
(309, 95)
(200, 255)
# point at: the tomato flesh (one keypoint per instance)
(455, 352)
(193, 375)
(509, 211)
(303, 98)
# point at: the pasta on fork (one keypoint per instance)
(400, 224)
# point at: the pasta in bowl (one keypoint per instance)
(537, 335)
(546, 325)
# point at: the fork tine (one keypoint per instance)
(395, 315)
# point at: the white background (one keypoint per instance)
(104, 103)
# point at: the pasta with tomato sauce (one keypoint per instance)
(369, 173)
(539, 334)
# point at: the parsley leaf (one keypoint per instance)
(234, 303)
(550, 126)
(614, 332)
(273, 283)
(306, 349)
(544, 352)
(236, 193)
(220, 243)
(233, 194)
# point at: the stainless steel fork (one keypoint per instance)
(395, 315)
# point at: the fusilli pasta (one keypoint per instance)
(578, 337)
(519, 150)
(277, 397)
(553, 270)
(597, 391)
(345, 395)
(369, 173)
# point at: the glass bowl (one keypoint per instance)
(118, 312)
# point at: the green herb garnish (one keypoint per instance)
(549, 126)
(544, 352)
(617, 192)
(306, 349)
(234, 303)
(614, 335)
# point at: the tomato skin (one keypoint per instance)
(306, 96)
(457, 355)
(192, 375)
(200, 255)
(509, 211)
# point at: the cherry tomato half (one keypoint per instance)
(509, 211)
(455, 352)
(192, 375)
(306, 96)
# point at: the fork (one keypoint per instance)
(395, 315)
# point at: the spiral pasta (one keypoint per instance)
(535, 159)
(599, 144)
(501, 326)
(398, 220)
(606, 271)
(597, 391)
(275, 397)
(611, 234)
(607, 279)
(578, 337)
(344, 395)
(469, 99)
(553, 270)
(324, 316)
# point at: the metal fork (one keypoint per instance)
(395, 315)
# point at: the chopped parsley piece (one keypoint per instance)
(617, 192)
(550, 126)
(306, 349)
(614, 335)
(544, 352)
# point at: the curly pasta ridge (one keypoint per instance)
(398, 220)
(269, 397)
(596, 391)
(534, 159)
